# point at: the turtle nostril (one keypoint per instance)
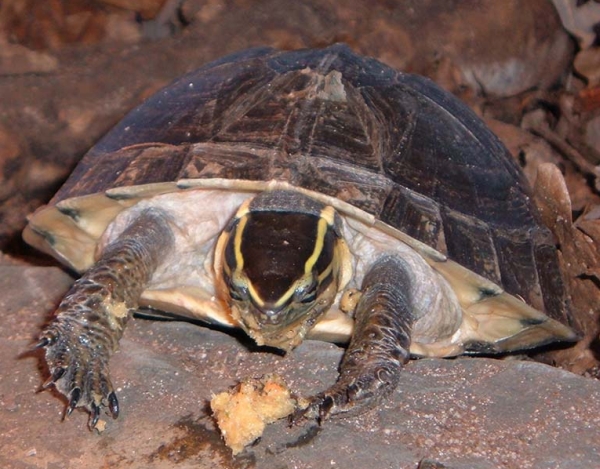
(271, 316)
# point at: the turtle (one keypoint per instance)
(305, 194)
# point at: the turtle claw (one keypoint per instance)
(75, 396)
(350, 396)
(318, 409)
(327, 403)
(95, 415)
(56, 375)
(79, 371)
(43, 342)
(113, 405)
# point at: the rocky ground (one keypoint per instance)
(70, 69)
(465, 413)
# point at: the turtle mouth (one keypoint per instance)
(285, 335)
(284, 329)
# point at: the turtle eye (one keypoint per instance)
(310, 297)
(235, 295)
(237, 291)
(307, 294)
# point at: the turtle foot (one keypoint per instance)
(348, 397)
(78, 371)
(318, 409)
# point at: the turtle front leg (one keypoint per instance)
(91, 318)
(379, 346)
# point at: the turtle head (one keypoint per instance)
(281, 270)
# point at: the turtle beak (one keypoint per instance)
(282, 327)
(274, 327)
(270, 315)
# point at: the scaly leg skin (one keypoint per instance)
(378, 349)
(91, 318)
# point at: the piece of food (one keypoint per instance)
(243, 412)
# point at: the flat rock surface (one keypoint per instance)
(464, 413)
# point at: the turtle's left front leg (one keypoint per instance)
(379, 346)
(91, 318)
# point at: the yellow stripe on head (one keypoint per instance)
(237, 243)
(287, 295)
(326, 220)
(254, 294)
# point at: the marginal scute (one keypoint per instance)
(471, 242)
(419, 214)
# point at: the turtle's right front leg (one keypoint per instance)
(91, 318)
(380, 345)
